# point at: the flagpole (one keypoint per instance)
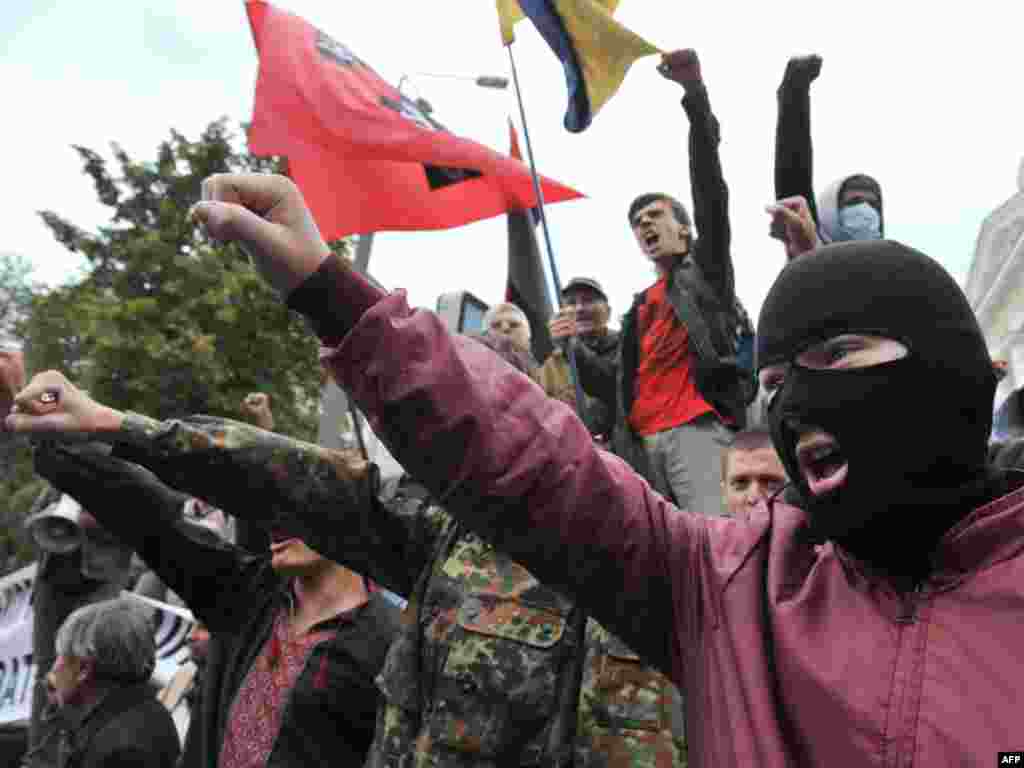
(569, 348)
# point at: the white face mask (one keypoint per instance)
(859, 221)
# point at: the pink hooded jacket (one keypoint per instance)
(787, 654)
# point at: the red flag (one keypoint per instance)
(365, 156)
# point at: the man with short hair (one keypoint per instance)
(751, 472)
(680, 387)
(584, 317)
(100, 684)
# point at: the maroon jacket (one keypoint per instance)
(787, 654)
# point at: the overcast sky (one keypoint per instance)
(927, 101)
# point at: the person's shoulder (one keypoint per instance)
(610, 341)
(146, 725)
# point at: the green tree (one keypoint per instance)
(18, 484)
(167, 322)
(16, 291)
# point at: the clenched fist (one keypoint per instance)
(267, 216)
(256, 409)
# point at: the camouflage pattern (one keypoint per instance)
(629, 714)
(493, 643)
(486, 653)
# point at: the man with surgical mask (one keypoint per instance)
(851, 207)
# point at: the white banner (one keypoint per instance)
(17, 670)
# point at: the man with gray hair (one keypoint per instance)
(100, 684)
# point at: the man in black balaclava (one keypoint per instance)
(883, 402)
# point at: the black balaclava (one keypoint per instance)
(914, 431)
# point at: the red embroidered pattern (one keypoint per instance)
(256, 712)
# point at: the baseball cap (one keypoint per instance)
(585, 282)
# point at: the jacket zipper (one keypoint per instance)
(908, 638)
(910, 603)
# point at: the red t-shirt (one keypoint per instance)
(665, 390)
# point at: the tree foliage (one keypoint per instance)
(16, 292)
(167, 322)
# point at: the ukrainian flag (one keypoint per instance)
(595, 50)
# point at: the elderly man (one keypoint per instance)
(100, 684)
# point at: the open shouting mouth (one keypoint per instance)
(821, 461)
(651, 240)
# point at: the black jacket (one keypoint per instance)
(330, 714)
(129, 729)
(701, 288)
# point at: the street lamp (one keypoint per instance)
(365, 242)
(482, 81)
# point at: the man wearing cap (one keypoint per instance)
(585, 315)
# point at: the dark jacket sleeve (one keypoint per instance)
(214, 579)
(794, 158)
(330, 501)
(598, 374)
(521, 469)
(710, 197)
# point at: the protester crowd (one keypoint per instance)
(670, 570)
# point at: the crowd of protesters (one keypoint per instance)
(670, 570)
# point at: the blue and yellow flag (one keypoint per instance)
(595, 50)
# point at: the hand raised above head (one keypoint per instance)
(268, 217)
(256, 409)
(682, 67)
(52, 405)
(12, 378)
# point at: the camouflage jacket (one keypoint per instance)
(487, 669)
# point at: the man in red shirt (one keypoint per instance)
(680, 389)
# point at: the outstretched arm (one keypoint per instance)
(325, 497)
(215, 579)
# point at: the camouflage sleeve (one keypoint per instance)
(328, 498)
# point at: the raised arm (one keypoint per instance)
(325, 497)
(710, 193)
(794, 157)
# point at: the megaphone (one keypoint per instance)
(58, 528)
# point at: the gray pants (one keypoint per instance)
(686, 464)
